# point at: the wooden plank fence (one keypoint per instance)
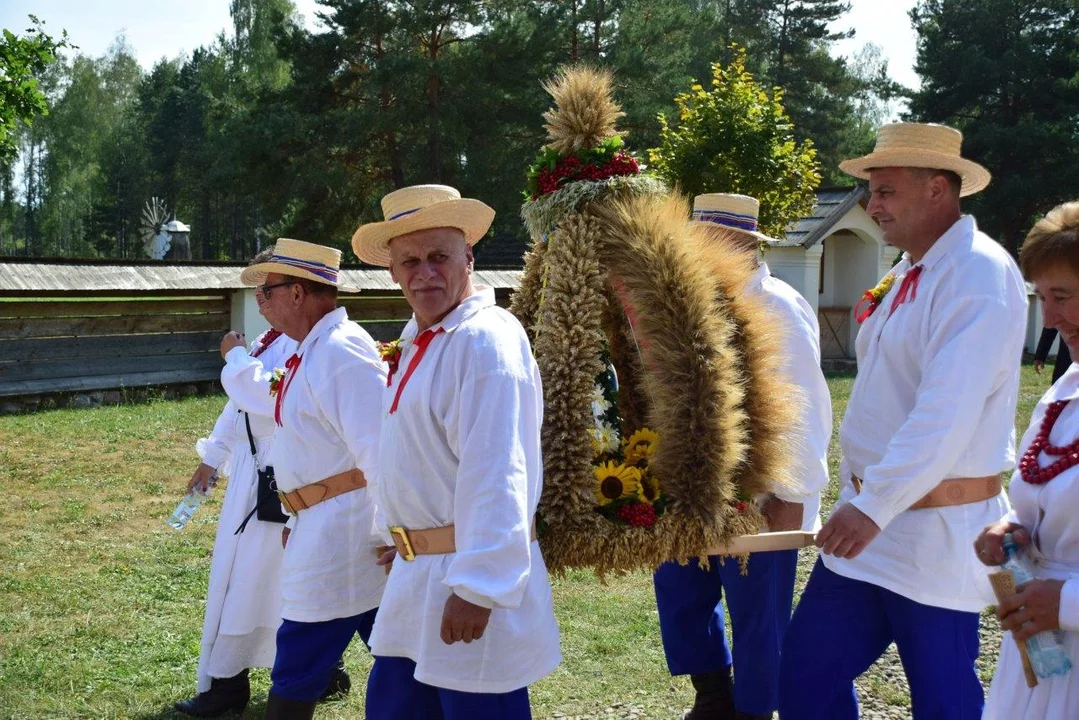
(88, 341)
(65, 344)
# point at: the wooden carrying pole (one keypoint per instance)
(765, 542)
(1003, 587)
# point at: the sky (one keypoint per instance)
(166, 28)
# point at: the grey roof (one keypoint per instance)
(22, 275)
(832, 205)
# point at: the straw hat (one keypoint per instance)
(420, 207)
(299, 259)
(734, 212)
(920, 146)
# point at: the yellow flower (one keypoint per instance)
(649, 488)
(604, 439)
(883, 287)
(641, 446)
(616, 481)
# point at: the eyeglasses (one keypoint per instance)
(265, 290)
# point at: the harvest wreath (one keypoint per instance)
(665, 415)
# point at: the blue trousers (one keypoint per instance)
(690, 604)
(393, 693)
(841, 627)
(307, 654)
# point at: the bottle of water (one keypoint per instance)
(1046, 649)
(190, 504)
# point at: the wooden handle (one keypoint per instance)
(766, 542)
(1003, 583)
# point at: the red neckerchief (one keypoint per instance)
(267, 341)
(291, 365)
(422, 342)
(909, 286)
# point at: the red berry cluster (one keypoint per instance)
(570, 168)
(637, 514)
(1068, 454)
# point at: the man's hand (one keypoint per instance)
(232, 340)
(990, 543)
(782, 515)
(285, 532)
(385, 556)
(200, 480)
(1038, 365)
(846, 533)
(1034, 608)
(461, 620)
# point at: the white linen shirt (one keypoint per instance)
(801, 365)
(330, 425)
(1051, 513)
(934, 399)
(463, 449)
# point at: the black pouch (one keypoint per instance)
(267, 504)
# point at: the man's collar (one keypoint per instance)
(759, 275)
(327, 321)
(961, 229)
(482, 296)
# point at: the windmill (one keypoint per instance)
(156, 239)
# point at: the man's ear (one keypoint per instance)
(469, 258)
(393, 275)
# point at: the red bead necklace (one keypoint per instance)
(1069, 454)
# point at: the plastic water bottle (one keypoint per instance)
(190, 504)
(1046, 649)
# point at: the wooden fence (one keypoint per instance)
(53, 344)
(88, 341)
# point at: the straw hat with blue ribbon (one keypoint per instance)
(297, 258)
(731, 212)
(420, 207)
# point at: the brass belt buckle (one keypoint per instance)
(283, 497)
(404, 547)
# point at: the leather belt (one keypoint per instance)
(955, 491)
(310, 495)
(433, 541)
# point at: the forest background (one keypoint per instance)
(276, 129)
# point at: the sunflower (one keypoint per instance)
(649, 488)
(641, 446)
(616, 481)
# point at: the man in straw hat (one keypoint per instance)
(326, 447)
(925, 437)
(689, 599)
(467, 622)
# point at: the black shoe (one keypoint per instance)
(340, 683)
(279, 708)
(224, 696)
(715, 697)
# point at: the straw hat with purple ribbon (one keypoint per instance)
(420, 207)
(919, 145)
(297, 258)
(733, 212)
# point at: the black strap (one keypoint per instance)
(251, 439)
(259, 502)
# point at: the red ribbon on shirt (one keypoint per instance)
(908, 289)
(422, 342)
(290, 372)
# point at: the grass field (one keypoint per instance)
(101, 604)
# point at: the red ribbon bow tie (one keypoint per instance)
(290, 372)
(908, 289)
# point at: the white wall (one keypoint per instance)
(245, 314)
(799, 268)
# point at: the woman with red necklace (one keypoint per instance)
(1044, 493)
